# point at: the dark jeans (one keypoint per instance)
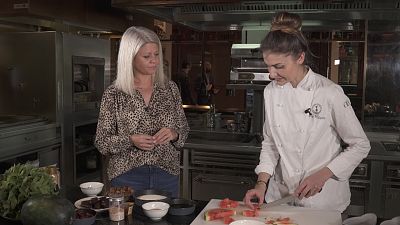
(148, 177)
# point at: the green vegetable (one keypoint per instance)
(19, 183)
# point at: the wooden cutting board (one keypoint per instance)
(299, 215)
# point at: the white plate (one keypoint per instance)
(78, 204)
(247, 222)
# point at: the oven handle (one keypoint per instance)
(205, 180)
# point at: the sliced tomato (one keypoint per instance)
(214, 214)
(228, 203)
(250, 213)
(228, 220)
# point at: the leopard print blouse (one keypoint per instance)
(122, 115)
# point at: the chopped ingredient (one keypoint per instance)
(214, 214)
(228, 203)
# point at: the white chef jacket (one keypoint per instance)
(297, 144)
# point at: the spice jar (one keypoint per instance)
(116, 208)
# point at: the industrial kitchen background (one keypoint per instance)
(56, 60)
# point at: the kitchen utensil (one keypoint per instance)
(181, 207)
(284, 200)
(299, 215)
(84, 217)
(155, 210)
(151, 195)
(78, 203)
(91, 188)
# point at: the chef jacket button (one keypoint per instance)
(280, 145)
(299, 151)
(297, 171)
(283, 182)
(278, 125)
(301, 130)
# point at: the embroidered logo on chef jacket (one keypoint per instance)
(316, 110)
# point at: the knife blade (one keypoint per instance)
(284, 200)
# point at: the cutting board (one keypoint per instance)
(299, 215)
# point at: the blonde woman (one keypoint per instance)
(141, 123)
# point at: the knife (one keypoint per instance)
(284, 200)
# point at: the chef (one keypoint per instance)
(306, 118)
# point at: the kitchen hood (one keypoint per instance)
(209, 15)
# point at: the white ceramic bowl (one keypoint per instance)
(155, 210)
(91, 188)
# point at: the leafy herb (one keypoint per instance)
(19, 183)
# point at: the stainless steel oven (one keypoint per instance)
(221, 174)
(360, 187)
(391, 190)
(88, 78)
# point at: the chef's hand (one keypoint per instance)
(143, 141)
(313, 184)
(258, 192)
(164, 135)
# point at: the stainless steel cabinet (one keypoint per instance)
(217, 171)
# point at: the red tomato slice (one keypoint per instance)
(250, 213)
(228, 203)
(214, 214)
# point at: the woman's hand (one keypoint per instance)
(164, 135)
(258, 192)
(143, 141)
(313, 184)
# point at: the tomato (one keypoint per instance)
(228, 220)
(228, 203)
(214, 214)
(250, 213)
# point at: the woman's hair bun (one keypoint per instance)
(286, 22)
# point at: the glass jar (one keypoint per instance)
(116, 209)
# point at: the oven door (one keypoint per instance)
(206, 186)
(359, 197)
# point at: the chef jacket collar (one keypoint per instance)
(306, 83)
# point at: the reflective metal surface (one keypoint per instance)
(231, 137)
(228, 15)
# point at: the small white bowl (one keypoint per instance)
(91, 188)
(155, 210)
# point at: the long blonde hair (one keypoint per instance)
(132, 40)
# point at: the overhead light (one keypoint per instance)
(336, 62)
